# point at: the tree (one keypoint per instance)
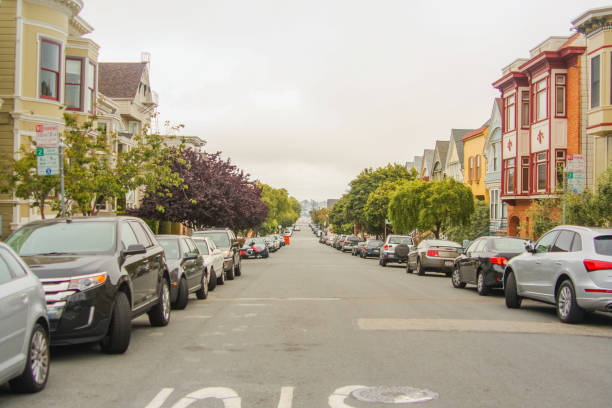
(477, 226)
(338, 217)
(281, 209)
(593, 209)
(545, 214)
(405, 206)
(377, 206)
(320, 217)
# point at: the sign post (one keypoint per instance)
(49, 156)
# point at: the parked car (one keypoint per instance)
(271, 244)
(24, 326)
(296, 228)
(213, 261)
(227, 242)
(395, 249)
(371, 248)
(483, 262)
(349, 242)
(186, 266)
(281, 240)
(255, 248)
(570, 267)
(433, 255)
(358, 248)
(339, 241)
(98, 274)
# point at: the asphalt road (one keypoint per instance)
(297, 329)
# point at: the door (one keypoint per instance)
(534, 270)
(149, 262)
(195, 275)
(557, 261)
(134, 265)
(468, 264)
(13, 315)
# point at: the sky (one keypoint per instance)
(305, 94)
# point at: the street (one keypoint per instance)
(298, 327)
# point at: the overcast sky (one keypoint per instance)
(305, 94)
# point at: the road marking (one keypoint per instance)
(228, 396)
(286, 397)
(160, 398)
(336, 399)
(489, 326)
(276, 299)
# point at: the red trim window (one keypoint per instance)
(541, 170)
(91, 86)
(541, 95)
(510, 113)
(49, 72)
(525, 174)
(509, 175)
(525, 109)
(560, 95)
(74, 83)
(560, 169)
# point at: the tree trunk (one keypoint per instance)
(41, 206)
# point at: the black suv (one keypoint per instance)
(98, 274)
(227, 242)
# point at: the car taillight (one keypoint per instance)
(347, 242)
(255, 249)
(499, 260)
(432, 252)
(241, 252)
(594, 265)
(386, 247)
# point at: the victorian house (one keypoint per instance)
(426, 165)
(492, 178)
(439, 159)
(474, 162)
(454, 155)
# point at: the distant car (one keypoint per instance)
(433, 255)
(255, 248)
(358, 248)
(24, 327)
(227, 242)
(395, 249)
(186, 266)
(350, 241)
(213, 261)
(371, 248)
(296, 228)
(339, 241)
(570, 267)
(271, 243)
(98, 273)
(484, 261)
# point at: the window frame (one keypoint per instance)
(510, 113)
(525, 165)
(560, 85)
(560, 159)
(510, 164)
(538, 162)
(58, 73)
(537, 92)
(525, 115)
(595, 82)
(80, 108)
(91, 92)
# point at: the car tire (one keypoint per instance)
(567, 307)
(119, 332)
(481, 287)
(36, 371)
(419, 268)
(456, 279)
(221, 278)
(202, 293)
(230, 274)
(212, 280)
(383, 263)
(513, 300)
(238, 269)
(183, 295)
(408, 268)
(159, 315)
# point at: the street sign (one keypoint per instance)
(575, 169)
(47, 161)
(47, 136)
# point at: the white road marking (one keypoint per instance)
(286, 397)
(228, 396)
(486, 326)
(336, 400)
(160, 398)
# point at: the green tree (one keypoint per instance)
(281, 209)
(545, 214)
(377, 206)
(477, 226)
(338, 215)
(593, 209)
(320, 217)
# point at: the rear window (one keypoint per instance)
(400, 240)
(439, 242)
(220, 238)
(508, 245)
(374, 242)
(603, 245)
(171, 248)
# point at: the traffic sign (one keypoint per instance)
(575, 169)
(47, 161)
(47, 136)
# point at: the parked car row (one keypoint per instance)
(261, 247)
(82, 280)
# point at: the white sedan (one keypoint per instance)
(213, 261)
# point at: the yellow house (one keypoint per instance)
(47, 67)
(474, 162)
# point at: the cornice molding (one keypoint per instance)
(69, 7)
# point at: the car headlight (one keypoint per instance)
(227, 253)
(86, 282)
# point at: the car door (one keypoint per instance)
(558, 260)
(468, 265)
(534, 270)
(196, 264)
(14, 303)
(133, 264)
(217, 256)
(148, 262)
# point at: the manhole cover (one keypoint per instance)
(393, 395)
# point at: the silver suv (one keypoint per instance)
(24, 327)
(569, 266)
(395, 249)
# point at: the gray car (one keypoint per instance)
(570, 267)
(24, 327)
(433, 255)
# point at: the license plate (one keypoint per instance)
(448, 263)
(376, 251)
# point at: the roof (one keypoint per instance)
(457, 137)
(592, 13)
(120, 79)
(442, 149)
(475, 132)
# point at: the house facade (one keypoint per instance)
(426, 164)
(474, 162)
(541, 125)
(454, 156)
(48, 68)
(492, 178)
(439, 159)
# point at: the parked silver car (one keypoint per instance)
(24, 327)
(570, 267)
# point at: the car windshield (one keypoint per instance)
(603, 245)
(170, 248)
(201, 244)
(508, 245)
(439, 242)
(259, 241)
(220, 238)
(64, 238)
(400, 240)
(374, 242)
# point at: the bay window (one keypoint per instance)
(525, 174)
(510, 113)
(49, 70)
(74, 81)
(525, 109)
(541, 108)
(509, 175)
(541, 171)
(560, 95)
(595, 82)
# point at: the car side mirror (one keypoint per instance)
(530, 248)
(134, 249)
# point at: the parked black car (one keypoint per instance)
(186, 266)
(227, 242)
(484, 261)
(98, 274)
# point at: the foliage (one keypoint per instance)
(591, 209)
(477, 226)
(377, 206)
(282, 209)
(430, 205)
(320, 217)
(338, 215)
(545, 214)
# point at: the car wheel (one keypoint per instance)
(183, 295)
(419, 268)
(481, 287)
(513, 300)
(36, 371)
(230, 274)
(456, 279)
(159, 315)
(202, 293)
(238, 269)
(383, 262)
(119, 332)
(212, 280)
(221, 278)
(567, 307)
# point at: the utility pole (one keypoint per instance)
(61, 165)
